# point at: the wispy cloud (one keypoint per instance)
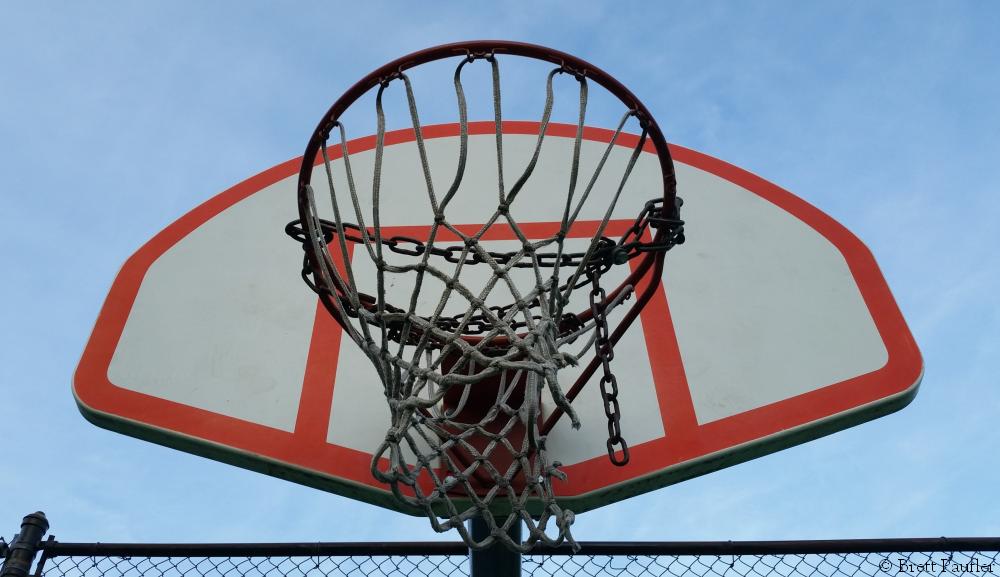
(118, 118)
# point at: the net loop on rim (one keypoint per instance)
(465, 391)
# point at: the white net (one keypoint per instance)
(465, 389)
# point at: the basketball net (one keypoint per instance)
(465, 392)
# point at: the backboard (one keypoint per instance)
(772, 326)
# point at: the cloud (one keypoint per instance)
(120, 117)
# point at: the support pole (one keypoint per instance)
(495, 561)
(22, 551)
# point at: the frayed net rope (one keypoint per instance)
(436, 458)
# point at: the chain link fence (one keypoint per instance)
(847, 564)
(29, 556)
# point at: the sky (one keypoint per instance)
(118, 117)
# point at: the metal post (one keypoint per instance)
(495, 561)
(22, 551)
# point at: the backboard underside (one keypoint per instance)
(772, 326)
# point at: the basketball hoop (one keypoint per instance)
(467, 432)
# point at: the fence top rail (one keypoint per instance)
(52, 548)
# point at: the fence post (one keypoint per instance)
(498, 560)
(21, 553)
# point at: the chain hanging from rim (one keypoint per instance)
(606, 352)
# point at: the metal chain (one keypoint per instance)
(478, 323)
(409, 246)
(629, 247)
(609, 384)
(607, 253)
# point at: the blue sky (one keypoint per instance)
(118, 117)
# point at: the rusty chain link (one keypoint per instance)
(607, 253)
(410, 246)
(609, 384)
